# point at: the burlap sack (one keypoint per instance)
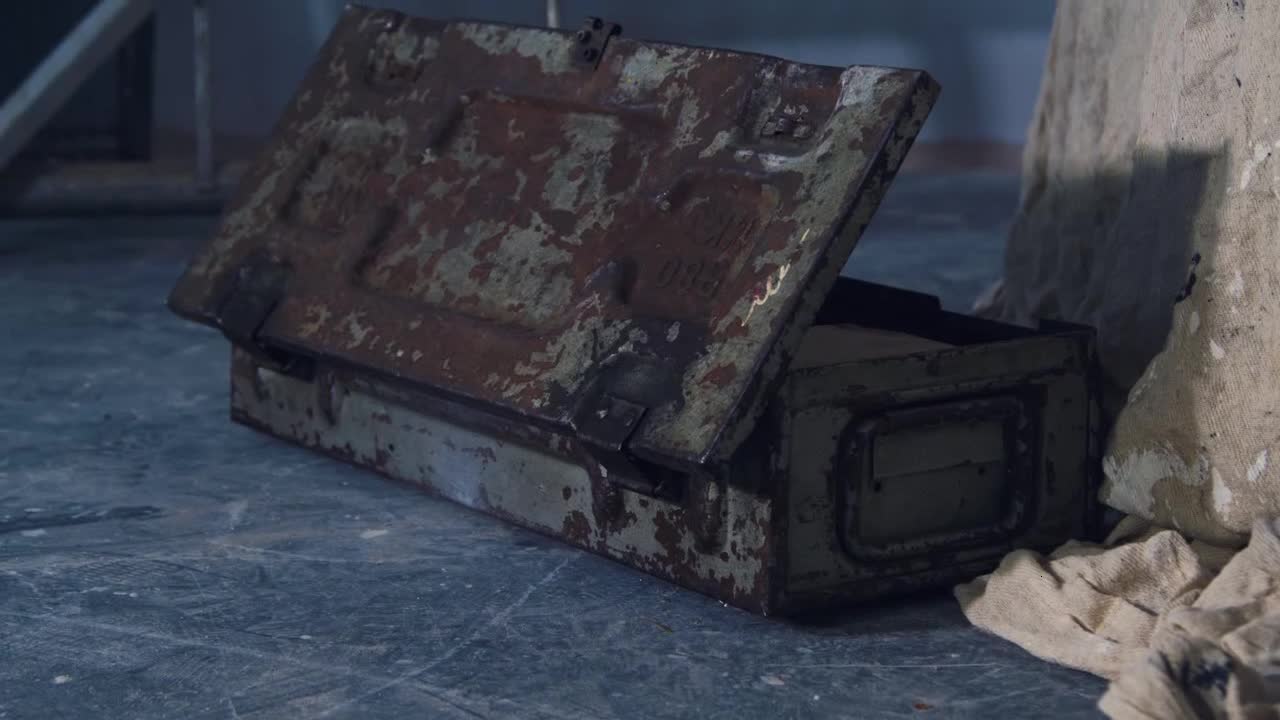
(1193, 447)
(1151, 210)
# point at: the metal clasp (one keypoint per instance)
(254, 290)
(591, 41)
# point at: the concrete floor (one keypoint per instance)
(158, 561)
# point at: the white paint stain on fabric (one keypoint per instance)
(1144, 383)
(1193, 324)
(1261, 152)
(1258, 467)
(1236, 288)
(1221, 493)
(1216, 350)
(38, 532)
(1131, 480)
(371, 534)
(61, 679)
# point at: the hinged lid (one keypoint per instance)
(628, 244)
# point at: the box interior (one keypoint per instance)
(871, 306)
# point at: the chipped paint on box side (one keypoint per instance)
(537, 484)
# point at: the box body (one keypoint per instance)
(590, 284)
(878, 468)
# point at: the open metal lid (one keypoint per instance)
(623, 239)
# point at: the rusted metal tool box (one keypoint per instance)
(590, 285)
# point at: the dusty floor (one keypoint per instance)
(158, 561)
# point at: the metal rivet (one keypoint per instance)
(584, 36)
(589, 54)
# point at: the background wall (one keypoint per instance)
(986, 53)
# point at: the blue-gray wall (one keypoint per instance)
(986, 53)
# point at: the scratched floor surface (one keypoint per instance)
(157, 561)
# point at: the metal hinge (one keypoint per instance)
(604, 425)
(591, 41)
(254, 290)
(607, 422)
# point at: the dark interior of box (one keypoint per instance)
(881, 307)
